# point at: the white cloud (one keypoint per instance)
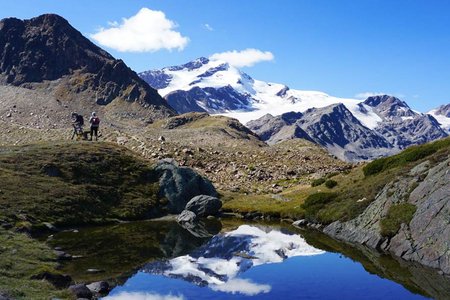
(244, 58)
(365, 95)
(142, 296)
(208, 27)
(147, 31)
(242, 286)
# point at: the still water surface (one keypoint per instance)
(233, 260)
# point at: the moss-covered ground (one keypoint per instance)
(63, 184)
(74, 183)
(21, 258)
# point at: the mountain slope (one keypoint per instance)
(47, 54)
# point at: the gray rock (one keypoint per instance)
(61, 255)
(57, 280)
(4, 296)
(100, 287)
(180, 184)
(300, 223)
(80, 291)
(186, 216)
(204, 205)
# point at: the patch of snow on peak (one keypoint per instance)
(443, 120)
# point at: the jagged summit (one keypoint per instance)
(45, 48)
(47, 51)
(390, 107)
(444, 110)
(192, 65)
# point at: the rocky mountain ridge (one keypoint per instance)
(46, 53)
(336, 128)
(216, 87)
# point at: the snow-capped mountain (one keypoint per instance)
(216, 87)
(356, 130)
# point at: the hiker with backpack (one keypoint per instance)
(95, 123)
(77, 123)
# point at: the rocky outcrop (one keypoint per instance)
(425, 239)
(180, 184)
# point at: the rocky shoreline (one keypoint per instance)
(425, 239)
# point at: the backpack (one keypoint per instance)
(95, 120)
(80, 120)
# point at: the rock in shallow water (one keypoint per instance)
(186, 216)
(300, 223)
(100, 287)
(80, 291)
(204, 205)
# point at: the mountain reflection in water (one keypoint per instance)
(266, 262)
(230, 259)
(217, 263)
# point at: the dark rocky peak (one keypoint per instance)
(48, 48)
(45, 48)
(389, 106)
(212, 71)
(336, 111)
(157, 79)
(192, 65)
(444, 110)
(375, 101)
(283, 91)
(291, 117)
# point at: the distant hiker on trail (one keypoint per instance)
(95, 123)
(77, 123)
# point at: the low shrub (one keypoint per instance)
(317, 182)
(315, 202)
(413, 153)
(331, 183)
(397, 215)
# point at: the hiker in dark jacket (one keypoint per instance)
(95, 123)
(77, 123)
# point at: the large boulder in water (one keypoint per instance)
(186, 216)
(204, 205)
(180, 184)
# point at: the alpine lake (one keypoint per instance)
(237, 259)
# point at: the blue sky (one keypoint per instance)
(343, 48)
